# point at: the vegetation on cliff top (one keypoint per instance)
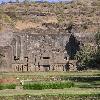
(84, 14)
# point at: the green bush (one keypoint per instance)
(89, 56)
(85, 57)
(7, 86)
(33, 86)
(1, 86)
(10, 86)
(55, 85)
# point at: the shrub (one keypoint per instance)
(85, 57)
(1, 87)
(55, 85)
(7, 86)
(33, 86)
(10, 86)
(89, 56)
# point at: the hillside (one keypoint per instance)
(51, 17)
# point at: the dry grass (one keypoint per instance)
(72, 91)
(45, 74)
(79, 13)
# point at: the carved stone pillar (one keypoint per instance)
(22, 48)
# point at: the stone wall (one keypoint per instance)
(29, 51)
(6, 59)
(32, 50)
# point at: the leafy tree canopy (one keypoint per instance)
(72, 46)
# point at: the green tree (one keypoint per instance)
(85, 56)
(89, 56)
(72, 46)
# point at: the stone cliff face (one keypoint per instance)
(39, 49)
(30, 50)
(31, 36)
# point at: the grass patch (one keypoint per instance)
(51, 85)
(81, 78)
(52, 97)
(67, 91)
(7, 86)
(93, 84)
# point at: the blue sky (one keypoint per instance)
(34, 0)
